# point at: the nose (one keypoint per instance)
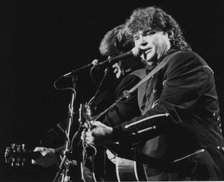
(143, 42)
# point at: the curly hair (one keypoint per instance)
(116, 42)
(155, 19)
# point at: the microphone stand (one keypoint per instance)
(99, 87)
(62, 174)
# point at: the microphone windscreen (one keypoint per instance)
(135, 51)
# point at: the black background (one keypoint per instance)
(42, 40)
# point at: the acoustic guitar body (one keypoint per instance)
(154, 148)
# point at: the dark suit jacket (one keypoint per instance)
(180, 115)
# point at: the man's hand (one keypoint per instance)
(117, 70)
(99, 134)
(48, 157)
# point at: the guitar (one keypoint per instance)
(125, 163)
(17, 155)
(142, 167)
(125, 166)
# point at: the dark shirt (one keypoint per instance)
(125, 109)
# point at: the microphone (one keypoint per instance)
(133, 52)
(93, 63)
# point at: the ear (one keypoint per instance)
(170, 34)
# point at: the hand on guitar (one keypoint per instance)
(48, 157)
(98, 134)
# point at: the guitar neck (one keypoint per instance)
(27, 155)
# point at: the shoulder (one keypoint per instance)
(183, 56)
(188, 59)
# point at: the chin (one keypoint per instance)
(151, 58)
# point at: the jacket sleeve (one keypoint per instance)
(186, 79)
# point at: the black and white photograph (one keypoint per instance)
(111, 91)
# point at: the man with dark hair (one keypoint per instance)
(179, 123)
(115, 42)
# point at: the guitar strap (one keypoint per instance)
(151, 73)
